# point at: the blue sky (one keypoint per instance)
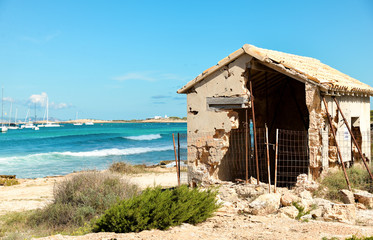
(126, 59)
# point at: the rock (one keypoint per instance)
(289, 211)
(345, 213)
(228, 194)
(305, 195)
(360, 206)
(249, 192)
(306, 217)
(320, 202)
(265, 204)
(304, 183)
(364, 217)
(365, 198)
(317, 213)
(347, 196)
(288, 198)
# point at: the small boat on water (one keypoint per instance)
(89, 123)
(49, 124)
(76, 121)
(2, 128)
(13, 126)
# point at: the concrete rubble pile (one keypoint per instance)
(241, 198)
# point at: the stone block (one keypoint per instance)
(265, 204)
(345, 213)
(347, 196)
(365, 198)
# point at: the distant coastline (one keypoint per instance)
(163, 120)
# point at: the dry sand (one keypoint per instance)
(36, 193)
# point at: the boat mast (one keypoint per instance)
(2, 106)
(47, 110)
(10, 113)
(15, 117)
(35, 113)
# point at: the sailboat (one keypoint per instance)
(2, 128)
(50, 124)
(76, 121)
(27, 124)
(12, 126)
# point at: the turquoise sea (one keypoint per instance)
(28, 153)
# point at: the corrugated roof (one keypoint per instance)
(302, 68)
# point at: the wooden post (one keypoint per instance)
(177, 169)
(354, 139)
(268, 164)
(336, 143)
(246, 148)
(276, 156)
(178, 158)
(254, 128)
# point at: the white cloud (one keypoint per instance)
(58, 105)
(39, 99)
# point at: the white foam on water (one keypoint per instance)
(144, 137)
(95, 153)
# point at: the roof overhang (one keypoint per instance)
(277, 61)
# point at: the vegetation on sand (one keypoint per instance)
(158, 208)
(335, 181)
(126, 168)
(77, 200)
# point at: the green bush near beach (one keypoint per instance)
(335, 181)
(82, 197)
(158, 209)
(77, 200)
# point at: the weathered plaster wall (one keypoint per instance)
(208, 130)
(352, 107)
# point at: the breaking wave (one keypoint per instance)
(144, 137)
(94, 153)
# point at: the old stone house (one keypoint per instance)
(287, 95)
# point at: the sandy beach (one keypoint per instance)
(36, 193)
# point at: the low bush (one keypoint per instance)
(157, 208)
(335, 181)
(8, 181)
(82, 197)
(126, 168)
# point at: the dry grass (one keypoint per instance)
(126, 168)
(335, 181)
(77, 200)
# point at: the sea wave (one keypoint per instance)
(144, 137)
(93, 153)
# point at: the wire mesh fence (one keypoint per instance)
(233, 149)
(293, 156)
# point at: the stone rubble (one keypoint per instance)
(256, 200)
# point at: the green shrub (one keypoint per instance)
(301, 209)
(157, 208)
(335, 181)
(359, 238)
(82, 197)
(8, 181)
